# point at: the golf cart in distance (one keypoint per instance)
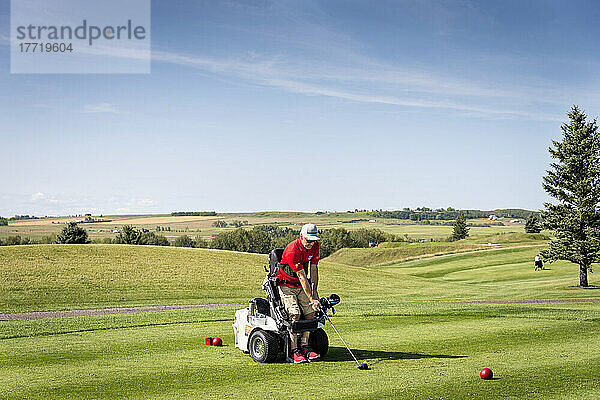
(262, 329)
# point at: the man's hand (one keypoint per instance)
(316, 304)
(308, 290)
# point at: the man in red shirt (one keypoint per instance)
(299, 292)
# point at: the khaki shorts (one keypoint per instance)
(294, 299)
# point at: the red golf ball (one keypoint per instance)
(217, 342)
(486, 373)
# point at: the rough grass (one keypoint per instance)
(391, 253)
(398, 253)
(417, 349)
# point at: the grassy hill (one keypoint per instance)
(392, 253)
(57, 277)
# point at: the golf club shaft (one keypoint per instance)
(342, 339)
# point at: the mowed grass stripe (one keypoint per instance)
(443, 266)
(404, 361)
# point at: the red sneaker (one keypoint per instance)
(310, 354)
(298, 357)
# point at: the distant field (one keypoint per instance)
(202, 226)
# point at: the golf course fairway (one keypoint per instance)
(412, 322)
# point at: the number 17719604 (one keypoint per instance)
(32, 47)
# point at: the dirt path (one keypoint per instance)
(127, 310)
(104, 311)
(542, 301)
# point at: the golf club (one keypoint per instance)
(360, 366)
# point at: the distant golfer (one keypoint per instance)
(299, 292)
(538, 264)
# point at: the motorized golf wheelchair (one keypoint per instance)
(263, 328)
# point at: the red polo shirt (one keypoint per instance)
(295, 255)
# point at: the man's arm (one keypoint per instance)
(304, 283)
(314, 280)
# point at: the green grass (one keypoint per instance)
(395, 318)
(390, 253)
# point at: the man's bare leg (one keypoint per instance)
(306, 334)
(293, 336)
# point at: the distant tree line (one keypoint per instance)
(260, 239)
(235, 223)
(424, 213)
(15, 240)
(194, 213)
(20, 217)
(130, 235)
(264, 238)
(451, 223)
(3, 221)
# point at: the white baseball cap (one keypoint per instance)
(309, 232)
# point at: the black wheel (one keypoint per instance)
(319, 341)
(263, 346)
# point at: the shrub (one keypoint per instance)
(334, 239)
(48, 239)
(184, 241)
(3, 221)
(201, 243)
(152, 239)
(254, 241)
(282, 241)
(72, 234)
(13, 240)
(363, 236)
(128, 236)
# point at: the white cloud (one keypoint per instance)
(108, 108)
(41, 204)
(368, 84)
(362, 79)
(40, 197)
(136, 205)
(141, 202)
(366, 81)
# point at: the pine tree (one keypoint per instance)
(574, 180)
(460, 228)
(532, 225)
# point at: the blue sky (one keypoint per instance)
(287, 105)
